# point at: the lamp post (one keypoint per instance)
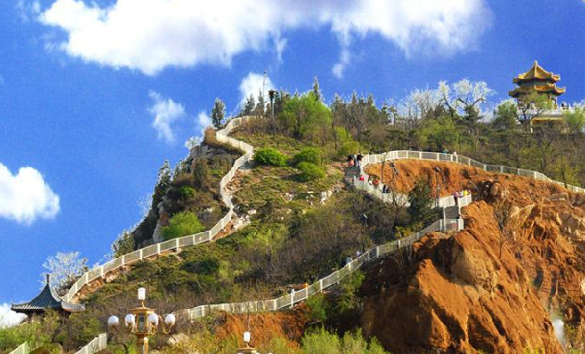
(394, 175)
(437, 172)
(143, 321)
(247, 349)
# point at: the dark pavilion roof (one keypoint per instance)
(47, 299)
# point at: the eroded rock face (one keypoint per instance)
(460, 297)
(459, 294)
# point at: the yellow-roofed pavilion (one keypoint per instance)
(538, 80)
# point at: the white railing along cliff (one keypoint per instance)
(186, 241)
(24, 348)
(98, 343)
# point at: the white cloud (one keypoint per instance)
(26, 196)
(149, 35)
(9, 318)
(165, 112)
(203, 120)
(252, 85)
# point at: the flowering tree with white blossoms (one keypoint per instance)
(64, 269)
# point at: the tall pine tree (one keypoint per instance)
(317, 90)
(218, 113)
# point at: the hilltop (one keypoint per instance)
(291, 218)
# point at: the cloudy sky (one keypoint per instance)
(95, 95)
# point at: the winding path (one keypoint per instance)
(293, 298)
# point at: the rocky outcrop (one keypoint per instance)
(478, 291)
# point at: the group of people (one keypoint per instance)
(459, 195)
(355, 160)
(374, 181)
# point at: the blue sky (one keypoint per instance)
(81, 86)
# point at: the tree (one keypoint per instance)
(417, 106)
(307, 118)
(163, 182)
(248, 106)
(123, 244)
(201, 174)
(218, 113)
(502, 211)
(65, 269)
(465, 98)
(532, 106)
(421, 202)
(316, 90)
(575, 119)
(506, 116)
(261, 105)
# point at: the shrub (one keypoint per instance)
(349, 148)
(318, 307)
(309, 154)
(182, 224)
(310, 172)
(187, 192)
(270, 156)
(201, 174)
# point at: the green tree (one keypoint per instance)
(421, 203)
(575, 119)
(123, 244)
(201, 174)
(306, 118)
(218, 113)
(182, 224)
(506, 116)
(163, 183)
(321, 342)
(248, 107)
(440, 134)
(316, 90)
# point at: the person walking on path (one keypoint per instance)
(359, 159)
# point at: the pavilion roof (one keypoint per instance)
(47, 299)
(546, 88)
(536, 73)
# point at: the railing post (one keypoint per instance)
(420, 155)
(140, 254)
(177, 243)
(158, 248)
(292, 298)
(124, 260)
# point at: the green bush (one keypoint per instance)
(182, 224)
(318, 307)
(310, 172)
(349, 148)
(187, 192)
(309, 154)
(270, 156)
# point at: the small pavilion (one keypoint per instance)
(538, 80)
(47, 300)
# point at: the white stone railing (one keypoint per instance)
(98, 343)
(24, 348)
(185, 241)
(435, 156)
(295, 297)
(289, 300)
(402, 199)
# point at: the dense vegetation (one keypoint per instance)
(302, 223)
